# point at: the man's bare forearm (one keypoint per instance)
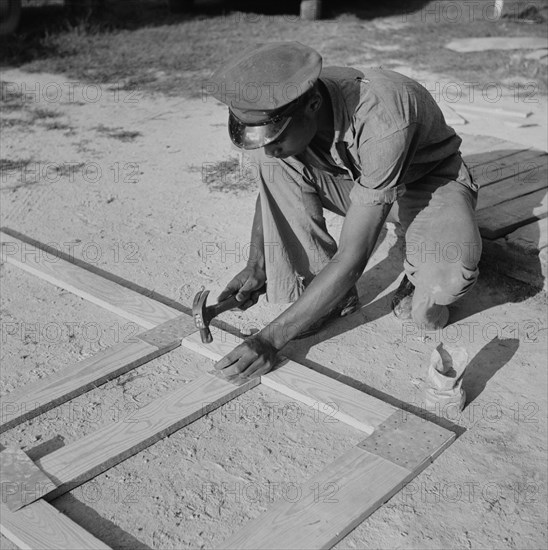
(333, 281)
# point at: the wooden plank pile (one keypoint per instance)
(512, 209)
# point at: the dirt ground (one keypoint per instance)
(130, 183)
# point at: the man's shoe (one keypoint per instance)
(402, 302)
(434, 318)
(349, 304)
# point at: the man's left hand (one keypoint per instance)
(253, 357)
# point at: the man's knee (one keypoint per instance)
(447, 282)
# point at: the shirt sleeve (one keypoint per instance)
(383, 162)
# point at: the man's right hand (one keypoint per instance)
(248, 285)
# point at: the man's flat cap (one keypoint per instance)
(261, 87)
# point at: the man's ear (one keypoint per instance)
(315, 102)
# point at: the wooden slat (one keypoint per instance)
(489, 109)
(510, 182)
(82, 460)
(22, 482)
(503, 218)
(97, 289)
(222, 344)
(478, 149)
(335, 399)
(340, 497)
(488, 168)
(332, 503)
(40, 526)
(43, 395)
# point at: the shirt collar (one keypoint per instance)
(342, 122)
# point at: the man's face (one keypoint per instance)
(296, 137)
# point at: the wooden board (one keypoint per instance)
(503, 162)
(45, 263)
(40, 526)
(522, 254)
(332, 503)
(500, 183)
(22, 482)
(43, 395)
(347, 491)
(476, 148)
(503, 218)
(82, 460)
(512, 183)
(333, 398)
(222, 344)
(490, 168)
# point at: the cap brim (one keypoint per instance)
(253, 136)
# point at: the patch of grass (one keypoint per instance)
(7, 165)
(15, 122)
(226, 176)
(12, 167)
(41, 113)
(68, 169)
(118, 133)
(11, 98)
(135, 48)
(56, 125)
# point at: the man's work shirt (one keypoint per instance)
(389, 132)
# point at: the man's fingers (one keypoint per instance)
(257, 368)
(226, 293)
(246, 305)
(237, 368)
(228, 360)
(249, 291)
(236, 361)
(252, 299)
(251, 358)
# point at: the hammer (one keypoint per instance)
(203, 315)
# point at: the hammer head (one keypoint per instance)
(201, 317)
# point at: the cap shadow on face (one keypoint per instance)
(297, 136)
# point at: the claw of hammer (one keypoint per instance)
(203, 315)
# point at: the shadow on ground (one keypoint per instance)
(486, 363)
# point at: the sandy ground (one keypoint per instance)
(117, 181)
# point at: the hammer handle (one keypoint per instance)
(225, 305)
